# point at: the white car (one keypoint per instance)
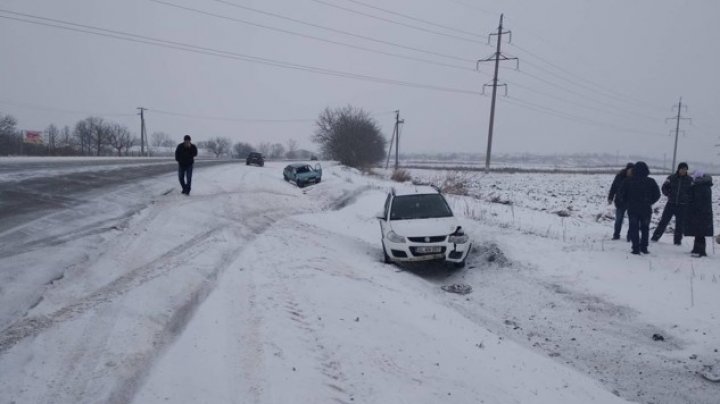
(417, 224)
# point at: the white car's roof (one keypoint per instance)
(415, 190)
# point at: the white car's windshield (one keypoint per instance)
(425, 206)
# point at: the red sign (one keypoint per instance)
(33, 137)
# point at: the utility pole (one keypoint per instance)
(677, 119)
(496, 57)
(143, 135)
(396, 138)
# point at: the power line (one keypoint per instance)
(583, 96)
(388, 20)
(59, 110)
(316, 38)
(474, 7)
(173, 113)
(339, 31)
(228, 55)
(418, 19)
(575, 103)
(220, 118)
(615, 95)
(560, 114)
(597, 87)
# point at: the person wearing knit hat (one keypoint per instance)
(620, 206)
(699, 220)
(676, 188)
(185, 154)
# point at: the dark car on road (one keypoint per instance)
(255, 158)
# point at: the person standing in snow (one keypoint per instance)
(185, 154)
(639, 192)
(676, 188)
(699, 221)
(620, 206)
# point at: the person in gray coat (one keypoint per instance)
(699, 222)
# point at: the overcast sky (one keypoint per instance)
(594, 76)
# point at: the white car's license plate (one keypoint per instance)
(424, 250)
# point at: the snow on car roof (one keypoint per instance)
(415, 190)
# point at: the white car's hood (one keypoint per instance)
(424, 227)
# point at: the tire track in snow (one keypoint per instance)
(605, 341)
(31, 326)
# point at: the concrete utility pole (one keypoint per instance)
(677, 119)
(496, 57)
(143, 135)
(396, 137)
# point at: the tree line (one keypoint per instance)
(347, 134)
(95, 136)
(92, 136)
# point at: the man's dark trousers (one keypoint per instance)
(670, 210)
(639, 231)
(185, 177)
(619, 216)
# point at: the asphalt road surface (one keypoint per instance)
(28, 188)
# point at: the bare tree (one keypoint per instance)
(277, 151)
(160, 139)
(120, 138)
(52, 133)
(218, 145)
(92, 133)
(8, 134)
(264, 148)
(241, 150)
(350, 136)
(292, 148)
(82, 135)
(65, 140)
(101, 133)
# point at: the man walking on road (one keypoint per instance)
(676, 187)
(185, 154)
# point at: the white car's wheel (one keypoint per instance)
(386, 257)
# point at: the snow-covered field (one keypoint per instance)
(254, 291)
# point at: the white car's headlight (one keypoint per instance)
(459, 237)
(393, 237)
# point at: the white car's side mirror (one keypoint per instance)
(380, 215)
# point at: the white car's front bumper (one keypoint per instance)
(422, 251)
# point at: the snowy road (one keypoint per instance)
(255, 291)
(32, 186)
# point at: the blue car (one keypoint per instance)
(302, 174)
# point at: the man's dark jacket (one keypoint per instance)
(639, 192)
(699, 219)
(615, 187)
(185, 156)
(676, 187)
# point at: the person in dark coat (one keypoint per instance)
(676, 188)
(620, 207)
(699, 220)
(185, 154)
(639, 192)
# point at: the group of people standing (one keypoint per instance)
(689, 200)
